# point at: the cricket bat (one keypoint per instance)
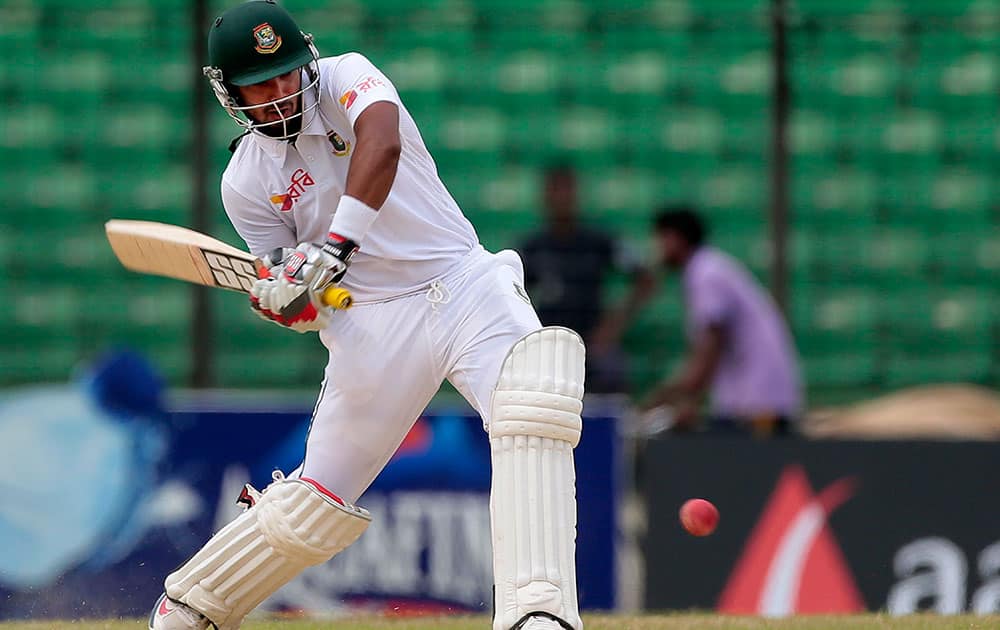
(173, 251)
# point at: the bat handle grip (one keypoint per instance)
(338, 298)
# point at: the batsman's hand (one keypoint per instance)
(286, 293)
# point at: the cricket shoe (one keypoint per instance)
(171, 615)
(539, 622)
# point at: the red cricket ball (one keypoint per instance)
(699, 517)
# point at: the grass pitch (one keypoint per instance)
(593, 622)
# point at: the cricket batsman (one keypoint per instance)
(331, 184)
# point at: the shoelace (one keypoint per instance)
(438, 294)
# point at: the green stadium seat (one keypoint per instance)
(841, 370)
(529, 36)
(46, 309)
(841, 257)
(811, 132)
(826, 194)
(451, 40)
(913, 132)
(964, 192)
(57, 189)
(633, 82)
(523, 77)
(623, 190)
(143, 127)
(509, 189)
(83, 254)
(836, 334)
(939, 335)
(735, 82)
(473, 131)
(418, 74)
(692, 131)
(745, 241)
(965, 257)
(944, 10)
(860, 83)
(667, 15)
(585, 129)
(144, 193)
(656, 340)
(26, 131)
(20, 27)
(120, 30)
(335, 26)
(736, 12)
(505, 229)
(914, 367)
(858, 15)
(349, 12)
(81, 78)
(735, 189)
(157, 79)
(674, 45)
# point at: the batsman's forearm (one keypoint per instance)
(372, 171)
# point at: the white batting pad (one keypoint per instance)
(295, 524)
(535, 423)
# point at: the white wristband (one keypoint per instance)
(352, 219)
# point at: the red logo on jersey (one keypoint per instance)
(348, 98)
(368, 84)
(791, 562)
(301, 179)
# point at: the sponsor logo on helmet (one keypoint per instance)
(301, 179)
(341, 147)
(348, 98)
(267, 40)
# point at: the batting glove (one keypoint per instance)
(284, 294)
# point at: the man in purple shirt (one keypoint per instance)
(740, 349)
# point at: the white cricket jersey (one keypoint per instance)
(279, 194)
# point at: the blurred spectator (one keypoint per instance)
(565, 264)
(740, 349)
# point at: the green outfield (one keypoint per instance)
(603, 622)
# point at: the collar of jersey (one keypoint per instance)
(277, 149)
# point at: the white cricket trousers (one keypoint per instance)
(388, 359)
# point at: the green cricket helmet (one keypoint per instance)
(252, 43)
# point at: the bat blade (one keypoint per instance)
(172, 251)
(176, 252)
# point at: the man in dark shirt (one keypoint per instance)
(565, 264)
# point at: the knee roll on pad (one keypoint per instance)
(295, 524)
(535, 424)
